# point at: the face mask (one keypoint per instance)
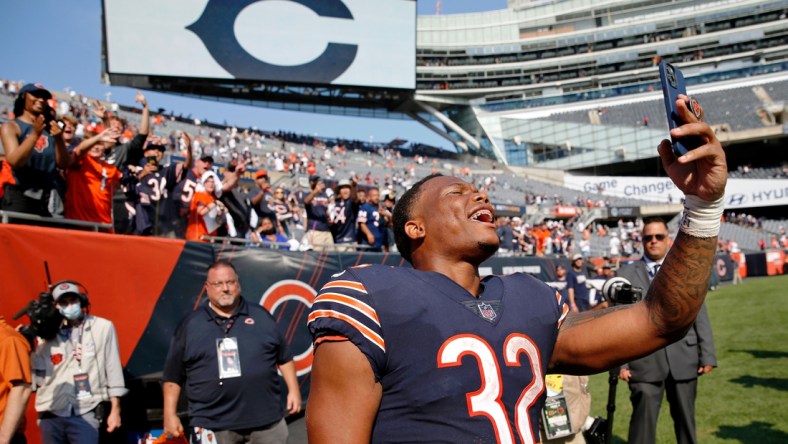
(71, 312)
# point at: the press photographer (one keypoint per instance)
(77, 372)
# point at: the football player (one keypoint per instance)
(438, 354)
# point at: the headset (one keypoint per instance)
(84, 302)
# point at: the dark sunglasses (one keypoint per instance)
(649, 237)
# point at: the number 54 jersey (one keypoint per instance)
(453, 367)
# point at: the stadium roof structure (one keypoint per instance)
(529, 85)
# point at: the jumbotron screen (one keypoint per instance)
(325, 42)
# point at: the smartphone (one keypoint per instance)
(672, 85)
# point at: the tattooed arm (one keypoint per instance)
(598, 340)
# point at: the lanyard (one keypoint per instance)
(76, 346)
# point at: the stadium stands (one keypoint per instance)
(620, 43)
(737, 107)
(376, 165)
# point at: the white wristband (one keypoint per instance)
(701, 218)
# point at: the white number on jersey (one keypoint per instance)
(486, 401)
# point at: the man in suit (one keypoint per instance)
(673, 369)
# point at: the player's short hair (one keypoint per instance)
(221, 263)
(402, 214)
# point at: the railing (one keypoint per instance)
(288, 245)
(8, 217)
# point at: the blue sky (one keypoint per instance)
(58, 43)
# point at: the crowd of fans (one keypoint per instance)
(744, 220)
(557, 238)
(73, 158)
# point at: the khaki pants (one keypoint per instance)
(319, 239)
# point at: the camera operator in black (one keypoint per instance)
(673, 369)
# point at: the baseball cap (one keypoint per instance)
(577, 256)
(343, 183)
(391, 197)
(516, 219)
(208, 159)
(63, 289)
(260, 173)
(35, 88)
(314, 178)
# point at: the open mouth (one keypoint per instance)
(483, 216)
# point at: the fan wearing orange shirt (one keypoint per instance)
(203, 203)
(91, 181)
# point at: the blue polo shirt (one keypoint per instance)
(577, 281)
(252, 400)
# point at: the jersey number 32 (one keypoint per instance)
(486, 401)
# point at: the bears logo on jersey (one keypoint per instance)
(42, 143)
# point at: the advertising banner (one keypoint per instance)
(739, 193)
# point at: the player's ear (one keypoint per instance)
(415, 229)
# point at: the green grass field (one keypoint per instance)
(745, 399)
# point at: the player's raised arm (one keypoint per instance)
(597, 340)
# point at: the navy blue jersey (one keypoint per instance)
(343, 221)
(264, 208)
(184, 191)
(155, 210)
(298, 196)
(369, 215)
(39, 170)
(283, 214)
(576, 280)
(317, 213)
(453, 367)
(506, 237)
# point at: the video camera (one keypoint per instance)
(618, 290)
(45, 319)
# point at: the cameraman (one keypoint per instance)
(77, 372)
(673, 369)
(14, 384)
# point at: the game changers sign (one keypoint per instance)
(339, 42)
(739, 193)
